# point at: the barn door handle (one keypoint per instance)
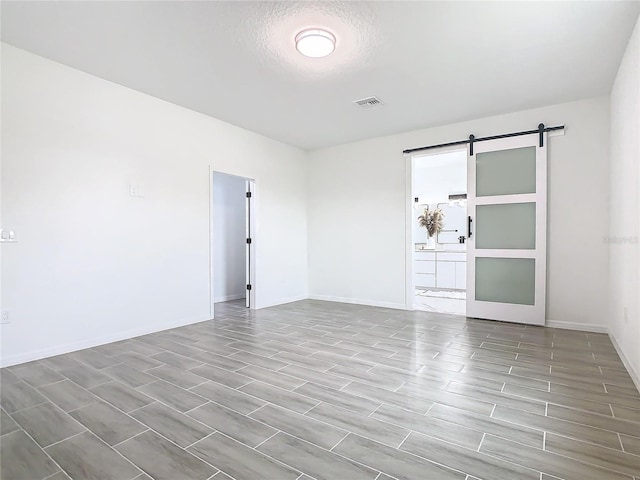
(469, 227)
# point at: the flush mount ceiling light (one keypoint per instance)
(315, 42)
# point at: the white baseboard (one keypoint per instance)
(227, 298)
(632, 371)
(282, 301)
(94, 342)
(585, 327)
(358, 301)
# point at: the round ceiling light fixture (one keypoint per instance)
(315, 42)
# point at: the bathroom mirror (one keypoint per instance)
(454, 224)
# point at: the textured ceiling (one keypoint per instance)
(431, 63)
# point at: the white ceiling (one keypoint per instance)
(431, 63)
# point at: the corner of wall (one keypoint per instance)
(623, 239)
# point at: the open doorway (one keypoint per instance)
(439, 232)
(232, 252)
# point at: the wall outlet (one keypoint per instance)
(5, 317)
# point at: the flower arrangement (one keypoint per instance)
(432, 220)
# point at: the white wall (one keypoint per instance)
(360, 187)
(437, 176)
(624, 210)
(229, 237)
(94, 264)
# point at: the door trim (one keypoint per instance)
(409, 214)
(252, 225)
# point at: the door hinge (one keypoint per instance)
(248, 241)
(248, 194)
(248, 286)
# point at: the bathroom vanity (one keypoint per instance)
(440, 268)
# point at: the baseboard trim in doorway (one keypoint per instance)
(359, 301)
(625, 361)
(95, 342)
(281, 301)
(228, 298)
(585, 327)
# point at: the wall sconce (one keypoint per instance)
(458, 199)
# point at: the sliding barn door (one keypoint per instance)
(506, 250)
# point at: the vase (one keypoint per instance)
(431, 243)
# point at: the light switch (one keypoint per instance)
(7, 235)
(136, 190)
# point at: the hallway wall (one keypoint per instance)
(229, 237)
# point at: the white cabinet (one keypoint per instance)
(422, 255)
(451, 256)
(424, 280)
(424, 269)
(436, 269)
(461, 275)
(446, 275)
(425, 266)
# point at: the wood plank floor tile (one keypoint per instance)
(176, 397)
(314, 390)
(559, 399)
(594, 420)
(21, 457)
(559, 426)
(107, 422)
(181, 429)
(441, 429)
(239, 461)
(549, 462)
(121, 396)
(277, 379)
(220, 375)
(37, 375)
(68, 395)
(314, 461)
(7, 425)
(397, 463)
(163, 460)
(466, 460)
(19, 395)
(47, 424)
(339, 398)
(614, 460)
(365, 426)
(240, 427)
(87, 457)
(129, 375)
(630, 414)
(300, 426)
(402, 400)
(497, 398)
(330, 378)
(492, 425)
(177, 376)
(630, 444)
(296, 400)
(229, 397)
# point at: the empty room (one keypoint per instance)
(305, 240)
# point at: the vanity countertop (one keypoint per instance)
(420, 248)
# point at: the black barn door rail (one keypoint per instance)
(472, 139)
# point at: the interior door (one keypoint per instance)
(506, 250)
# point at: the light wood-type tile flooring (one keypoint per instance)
(326, 391)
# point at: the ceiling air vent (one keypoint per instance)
(368, 102)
